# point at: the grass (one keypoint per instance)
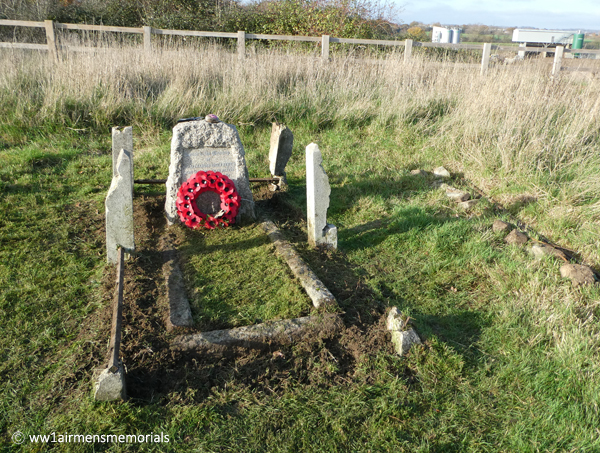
(227, 272)
(510, 354)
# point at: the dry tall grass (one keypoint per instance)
(514, 131)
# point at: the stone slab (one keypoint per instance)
(203, 146)
(110, 386)
(261, 336)
(318, 191)
(119, 209)
(282, 143)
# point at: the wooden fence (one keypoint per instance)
(53, 47)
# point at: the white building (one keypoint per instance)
(445, 35)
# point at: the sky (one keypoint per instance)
(550, 14)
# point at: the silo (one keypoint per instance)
(578, 41)
(455, 36)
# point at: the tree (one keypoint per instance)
(416, 34)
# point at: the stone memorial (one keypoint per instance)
(317, 201)
(201, 145)
(119, 209)
(282, 142)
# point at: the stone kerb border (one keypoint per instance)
(315, 289)
(110, 383)
(259, 335)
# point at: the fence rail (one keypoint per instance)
(53, 47)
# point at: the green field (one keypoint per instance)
(510, 354)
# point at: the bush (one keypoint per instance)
(340, 18)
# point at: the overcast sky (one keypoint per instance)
(551, 14)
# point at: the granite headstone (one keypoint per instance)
(200, 145)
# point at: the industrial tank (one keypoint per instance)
(455, 36)
(578, 40)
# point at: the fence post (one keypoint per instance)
(407, 50)
(147, 39)
(325, 47)
(241, 44)
(558, 55)
(51, 40)
(485, 59)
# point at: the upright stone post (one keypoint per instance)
(408, 44)
(122, 138)
(317, 200)
(282, 142)
(119, 209)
